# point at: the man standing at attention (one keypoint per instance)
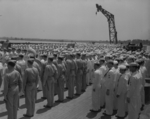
(49, 81)
(96, 88)
(143, 71)
(121, 91)
(71, 68)
(79, 74)
(109, 84)
(133, 94)
(21, 62)
(43, 62)
(103, 89)
(84, 72)
(31, 80)
(61, 79)
(12, 88)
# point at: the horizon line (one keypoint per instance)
(63, 40)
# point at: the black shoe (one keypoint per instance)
(77, 94)
(39, 90)
(43, 98)
(57, 101)
(103, 107)
(55, 94)
(142, 108)
(106, 114)
(22, 96)
(69, 97)
(46, 106)
(25, 115)
(83, 90)
(94, 110)
(119, 116)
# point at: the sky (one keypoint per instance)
(73, 19)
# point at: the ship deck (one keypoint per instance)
(77, 108)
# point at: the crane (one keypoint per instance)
(111, 24)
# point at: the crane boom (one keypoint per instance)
(111, 24)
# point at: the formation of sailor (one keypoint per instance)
(117, 76)
(120, 85)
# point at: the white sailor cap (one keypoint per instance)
(123, 67)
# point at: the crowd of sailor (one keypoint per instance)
(117, 76)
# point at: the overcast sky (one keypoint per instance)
(73, 19)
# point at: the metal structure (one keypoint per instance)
(111, 24)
